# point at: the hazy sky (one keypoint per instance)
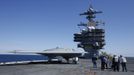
(43, 24)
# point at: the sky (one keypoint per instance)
(36, 25)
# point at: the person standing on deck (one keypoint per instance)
(94, 61)
(123, 62)
(117, 63)
(103, 62)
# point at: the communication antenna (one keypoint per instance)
(90, 3)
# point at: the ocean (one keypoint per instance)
(21, 57)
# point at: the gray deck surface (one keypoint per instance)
(83, 68)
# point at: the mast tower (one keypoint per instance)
(91, 38)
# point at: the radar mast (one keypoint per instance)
(91, 38)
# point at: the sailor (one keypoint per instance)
(104, 60)
(109, 62)
(123, 61)
(94, 61)
(115, 62)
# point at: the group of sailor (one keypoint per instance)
(111, 63)
(117, 61)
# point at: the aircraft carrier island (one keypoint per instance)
(91, 38)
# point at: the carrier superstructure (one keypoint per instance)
(92, 37)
